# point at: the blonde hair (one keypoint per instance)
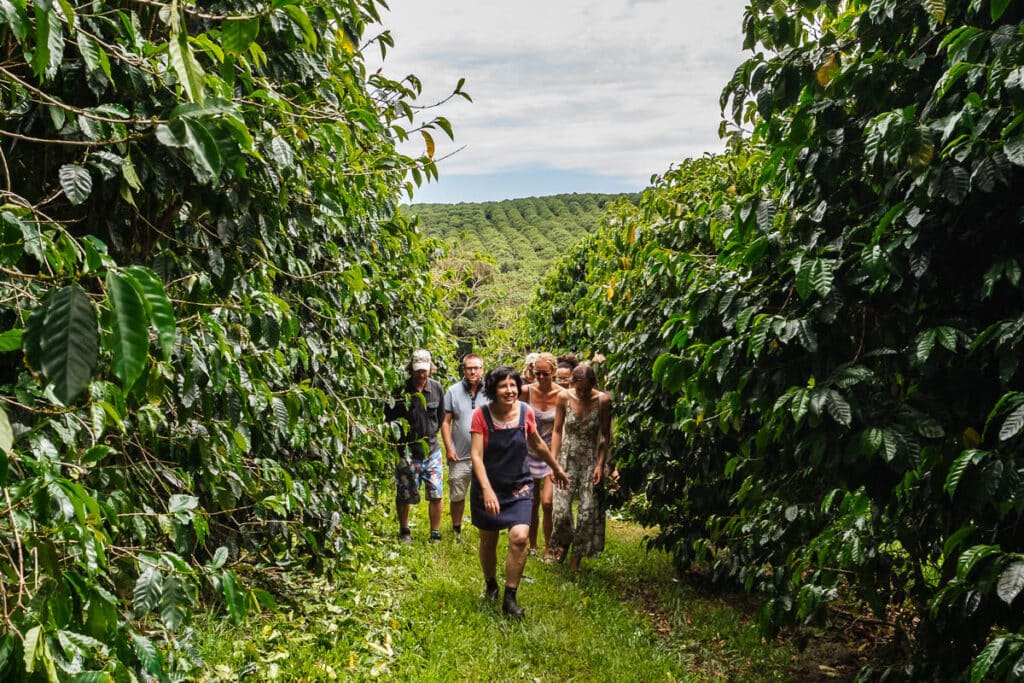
(549, 358)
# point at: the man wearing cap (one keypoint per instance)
(461, 399)
(420, 402)
(528, 376)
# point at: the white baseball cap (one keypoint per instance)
(421, 360)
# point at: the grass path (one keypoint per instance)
(417, 613)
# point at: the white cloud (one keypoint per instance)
(617, 87)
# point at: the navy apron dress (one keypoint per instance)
(509, 474)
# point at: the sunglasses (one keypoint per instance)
(541, 374)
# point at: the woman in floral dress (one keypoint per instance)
(581, 441)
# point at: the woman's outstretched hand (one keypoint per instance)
(560, 478)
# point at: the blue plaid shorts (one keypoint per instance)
(411, 473)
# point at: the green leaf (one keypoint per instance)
(16, 17)
(129, 173)
(1013, 424)
(839, 409)
(92, 677)
(95, 453)
(804, 267)
(76, 182)
(823, 276)
(299, 16)
(807, 335)
(233, 597)
(182, 503)
(130, 327)
(173, 603)
(94, 56)
(670, 372)
(66, 330)
(970, 557)
(925, 344)
(6, 439)
(765, 214)
(220, 556)
(800, 405)
(148, 655)
(158, 306)
(1011, 582)
(238, 34)
(31, 646)
(190, 74)
(873, 437)
(1014, 149)
(205, 151)
(146, 594)
(997, 7)
(936, 8)
(282, 153)
(956, 538)
(10, 340)
(12, 233)
(946, 336)
(983, 662)
(959, 467)
(49, 47)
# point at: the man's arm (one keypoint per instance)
(440, 404)
(446, 437)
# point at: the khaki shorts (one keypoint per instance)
(460, 473)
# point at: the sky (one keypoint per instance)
(568, 95)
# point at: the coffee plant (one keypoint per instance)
(815, 339)
(206, 293)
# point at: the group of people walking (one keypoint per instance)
(521, 445)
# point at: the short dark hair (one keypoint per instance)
(568, 360)
(499, 374)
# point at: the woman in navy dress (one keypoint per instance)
(501, 494)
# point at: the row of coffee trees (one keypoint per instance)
(814, 339)
(206, 287)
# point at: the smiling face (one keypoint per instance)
(543, 371)
(507, 392)
(563, 376)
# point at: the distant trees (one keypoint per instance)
(514, 242)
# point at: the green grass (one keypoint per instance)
(417, 613)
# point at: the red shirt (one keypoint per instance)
(479, 423)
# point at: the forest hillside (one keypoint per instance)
(500, 250)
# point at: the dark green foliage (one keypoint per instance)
(208, 293)
(815, 340)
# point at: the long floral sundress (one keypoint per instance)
(578, 457)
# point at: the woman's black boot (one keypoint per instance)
(509, 606)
